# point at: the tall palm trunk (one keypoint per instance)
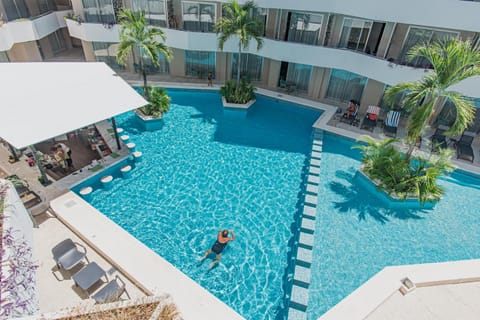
(239, 62)
(144, 74)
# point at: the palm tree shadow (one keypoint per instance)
(206, 118)
(358, 199)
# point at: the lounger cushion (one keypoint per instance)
(465, 151)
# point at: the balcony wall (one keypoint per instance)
(365, 65)
(24, 30)
(450, 14)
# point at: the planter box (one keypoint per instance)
(236, 109)
(388, 200)
(149, 123)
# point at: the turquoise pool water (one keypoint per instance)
(356, 235)
(205, 171)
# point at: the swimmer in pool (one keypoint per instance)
(218, 246)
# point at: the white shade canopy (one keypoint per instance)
(42, 100)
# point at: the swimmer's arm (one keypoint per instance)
(233, 235)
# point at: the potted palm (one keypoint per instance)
(151, 115)
(237, 21)
(404, 175)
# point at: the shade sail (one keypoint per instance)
(41, 100)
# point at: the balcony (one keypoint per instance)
(363, 64)
(24, 30)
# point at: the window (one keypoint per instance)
(251, 66)
(99, 11)
(15, 9)
(105, 52)
(299, 74)
(355, 33)
(162, 68)
(422, 36)
(3, 56)
(344, 86)
(198, 16)
(305, 27)
(46, 6)
(199, 64)
(57, 41)
(154, 11)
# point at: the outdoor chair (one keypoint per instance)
(66, 254)
(111, 292)
(90, 274)
(439, 140)
(391, 123)
(370, 120)
(464, 146)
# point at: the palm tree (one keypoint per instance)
(159, 102)
(135, 33)
(238, 21)
(453, 61)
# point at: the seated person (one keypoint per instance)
(352, 108)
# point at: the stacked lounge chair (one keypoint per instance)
(439, 140)
(391, 123)
(464, 146)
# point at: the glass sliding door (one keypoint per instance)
(355, 33)
(300, 75)
(46, 6)
(3, 56)
(345, 86)
(57, 42)
(162, 67)
(251, 66)
(198, 17)
(418, 36)
(99, 11)
(154, 11)
(199, 64)
(105, 52)
(15, 9)
(305, 27)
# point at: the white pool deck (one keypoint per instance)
(155, 275)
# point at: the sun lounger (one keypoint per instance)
(88, 276)
(111, 292)
(66, 254)
(464, 147)
(439, 140)
(391, 123)
(370, 120)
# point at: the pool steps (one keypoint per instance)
(302, 274)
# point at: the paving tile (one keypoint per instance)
(294, 314)
(310, 211)
(299, 295)
(311, 199)
(304, 255)
(306, 238)
(308, 224)
(316, 155)
(314, 170)
(312, 188)
(302, 274)
(317, 148)
(315, 162)
(313, 179)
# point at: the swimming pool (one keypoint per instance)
(356, 236)
(205, 171)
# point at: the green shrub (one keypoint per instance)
(404, 178)
(238, 94)
(159, 102)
